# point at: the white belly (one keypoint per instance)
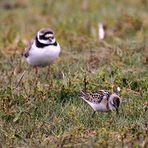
(43, 56)
(98, 107)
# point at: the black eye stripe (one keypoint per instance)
(45, 38)
(42, 37)
(51, 37)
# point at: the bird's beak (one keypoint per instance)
(117, 111)
(50, 39)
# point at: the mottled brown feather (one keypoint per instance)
(96, 97)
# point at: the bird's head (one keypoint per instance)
(115, 101)
(46, 36)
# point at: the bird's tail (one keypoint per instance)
(82, 94)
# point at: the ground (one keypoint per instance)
(36, 111)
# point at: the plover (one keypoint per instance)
(43, 50)
(102, 100)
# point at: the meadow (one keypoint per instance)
(36, 111)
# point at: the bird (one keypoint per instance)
(102, 100)
(43, 50)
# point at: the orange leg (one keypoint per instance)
(36, 76)
(36, 70)
(48, 72)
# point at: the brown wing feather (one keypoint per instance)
(95, 97)
(26, 54)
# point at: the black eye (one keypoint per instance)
(116, 102)
(51, 37)
(43, 37)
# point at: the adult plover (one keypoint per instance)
(102, 100)
(43, 50)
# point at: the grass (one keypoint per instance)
(38, 112)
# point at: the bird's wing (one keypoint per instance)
(95, 97)
(26, 54)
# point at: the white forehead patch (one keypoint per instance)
(48, 35)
